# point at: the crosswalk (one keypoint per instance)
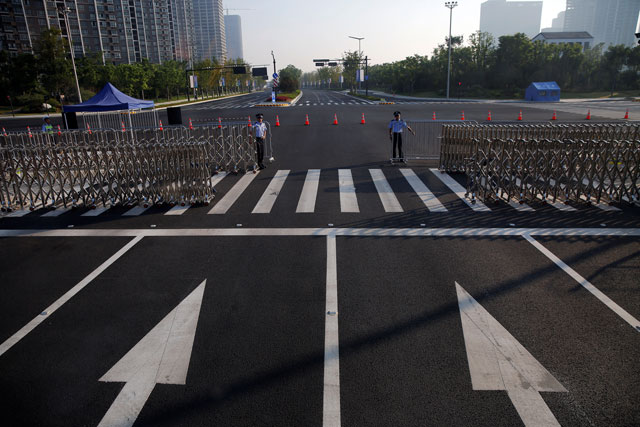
(239, 105)
(350, 195)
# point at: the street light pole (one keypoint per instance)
(359, 55)
(65, 13)
(450, 5)
(275, 88)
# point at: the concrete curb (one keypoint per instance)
(297, 98)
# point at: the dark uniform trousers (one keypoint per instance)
(259, 150)
(397, 141)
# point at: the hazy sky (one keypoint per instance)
(299, 31)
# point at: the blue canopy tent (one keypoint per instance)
(108, 99)
(543, 92)
(111, 109)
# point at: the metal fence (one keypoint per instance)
(118, 119)
(564, 170)
(426, 143)
(458, 139)
(140, 165)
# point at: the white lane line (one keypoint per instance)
(387, 197)
(265, 204)
(178, 209)
(348, 199)
(307, 201)
(26, 329)
(428, 198)
(136, 210)
(56, 212)
(331, 394)
(635, 323)
(217, 178)
(459, 191)
(236, 191)
(95, 212)
(353, 232)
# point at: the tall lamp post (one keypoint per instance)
(450, 5)
(359, 55)
(65, 13)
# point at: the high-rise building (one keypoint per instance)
(611, 22)
(210, 40)
(233, 29)
(502, 17)
(119, 31)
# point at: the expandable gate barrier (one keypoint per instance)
(425, 144)
(457, 139)
(569, 170)
(173, 165)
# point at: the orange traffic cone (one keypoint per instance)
(306, 120)
(249, 117)
(434, 116)
(219, 123)
(59, 131)
(520, 116)
(190, 124)
(161, 125)
(362, 120)
(29, 130)
(489, 117)
(626, 115)
(554, 116)
(335, 119)
(277, 121)
(4, 132)
(91, 133)
(588, 115)
(123, 128)
(462, 118)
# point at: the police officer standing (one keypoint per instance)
(47, 127)
(260, 132)
(395, 134)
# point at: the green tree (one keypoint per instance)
(351, 64)
(290, 78)
(614, 59)
(54, 68)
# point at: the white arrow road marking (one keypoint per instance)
(162, 356)
(497, 361)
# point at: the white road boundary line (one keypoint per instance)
(349, 232)
(459, 190)
(348, 198)
(387, 197)
(635, 323)
(266, 202)
(428, 198)
(178, 209)
(236, 191)
(15, 338)
(331, 394)
(307, 201)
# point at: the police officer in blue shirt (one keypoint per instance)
(395, 134)
(260, 131)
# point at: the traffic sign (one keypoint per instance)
(275, 75)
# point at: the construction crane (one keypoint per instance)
(236, 9)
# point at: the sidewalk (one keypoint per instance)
(162, 105)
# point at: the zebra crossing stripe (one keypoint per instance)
(135, 211)
(307, 202)
(387, 197)
(217, 178)
(18, 213)
(179, 210)
(236, 191)
(265, 204)
(55, 213)
(428, 198)
(348, 199)
(459, 191)
(96, 211)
